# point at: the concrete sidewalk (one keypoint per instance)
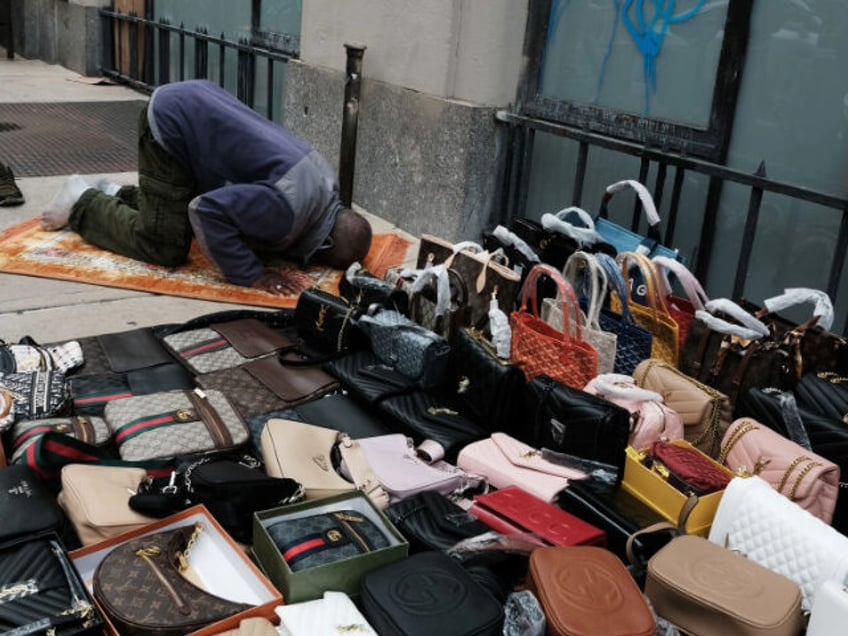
(51, 310)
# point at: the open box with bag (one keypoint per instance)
(141, 569)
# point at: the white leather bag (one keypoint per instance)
(335, 613)
(830, 611)
(763, 525)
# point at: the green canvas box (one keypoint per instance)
(340, 576)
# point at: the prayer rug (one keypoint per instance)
(27, 249)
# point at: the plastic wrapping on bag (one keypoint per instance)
(501, 331)
(511, 238)
(523, 615)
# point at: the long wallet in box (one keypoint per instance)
(619, 514)
(428, 593)
(514, 511)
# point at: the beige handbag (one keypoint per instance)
(706, 412)
(96, 500)
(256, 626)
(304, 452)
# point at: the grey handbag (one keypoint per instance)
(174, 423)
(409, 348)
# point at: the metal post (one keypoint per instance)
(350, 118)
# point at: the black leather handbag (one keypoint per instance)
(326, 322)
(574, 422)
(367, 379)
(825, 393)
(428, 593)
(431, 521)
(363, 289)
(42, 592)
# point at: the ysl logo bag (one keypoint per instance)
(143, 588)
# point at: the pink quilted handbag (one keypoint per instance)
(808, 479)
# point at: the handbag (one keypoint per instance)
(764, 526)
(539, 349)
(414, 351)
(255, 626)
(326, 322)
(27, 506)
(707, 590)
(174, 423)
(428, 593)
(224, 345)
(362, 289)
(90, 430)
(312, 455)
(479, 270)
(368, 379)
(633, 343)
(402, 473)
(686, 468)
(583, 273)
(134, 349)
(316, 540)
(732, 351)
(830, 610)
(95, 500)
(151, 572)
(706, 412)
(520, 256)
(804, 477)
(505, 461)
(431, 521)
(586, 590)
(650, 420)
(333, 613)
(44, 594)
(36, 394)
(487, 388)
(825, 393)
(575, 422)
(653, 316)
(439, 301)
(681, 308)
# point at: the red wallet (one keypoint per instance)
(512, 510)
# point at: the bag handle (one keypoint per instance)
(360, 471)
(618, 386)
(661, 526)
(656, 303)
(565, 293)
(749, 327)
(616, 284)
(583, 235)
(691, 286)
(645, 197)
(823, 307)
(597, 279)
(510, 238)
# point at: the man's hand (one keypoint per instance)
(271, 282)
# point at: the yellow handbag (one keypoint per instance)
(654, 317)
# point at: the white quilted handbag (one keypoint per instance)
(763, 525)
(335, 613)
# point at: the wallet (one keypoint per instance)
(515, 511)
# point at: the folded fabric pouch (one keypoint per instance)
(515, 511)
(428, 593)
(505, 461)
(431, 521)
(308, 542)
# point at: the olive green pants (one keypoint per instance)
(149, 222)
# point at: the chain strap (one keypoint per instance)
(800, 477)
(184, 555)
(832, 377)
(735, 436)
(795, 463)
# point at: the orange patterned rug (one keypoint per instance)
(26, 249)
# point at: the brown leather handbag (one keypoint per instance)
(586, 590)
(142, 586)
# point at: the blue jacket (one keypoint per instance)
(259, 187)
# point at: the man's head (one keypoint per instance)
(350, 238)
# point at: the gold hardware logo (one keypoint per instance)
(334, 536)
(322, 316)
(184, 415)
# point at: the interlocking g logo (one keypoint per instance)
(184, 415)
(590, 587)
(427, 591)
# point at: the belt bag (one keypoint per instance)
(174, 423)
(808, 479)
(758, 522)
(706, 590)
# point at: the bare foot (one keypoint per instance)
(58, 212)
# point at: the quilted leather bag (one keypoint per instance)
(539, 349)
(224, 345)
(431, 521)
(706, 412)
(584, 274)
(175, 423)
(143, 588)
(479, 270)
(825, 393)
(653, 316)
(804, 477)
(763, 525)
(90, 430)
(651, 420)
(43, 592)
(36, 394)
(309, 542)
(681, 308)
(334, 613)
(586, 590)
(688, 469)
(633, 343)
(707, 590)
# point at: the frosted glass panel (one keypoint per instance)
(600, 53)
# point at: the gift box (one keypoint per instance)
(343, 575)
(220, 564)
(652, 489)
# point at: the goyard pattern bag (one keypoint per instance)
(539, 349)
(175, 423)
(143, 588)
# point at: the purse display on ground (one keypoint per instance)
(143, 589)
